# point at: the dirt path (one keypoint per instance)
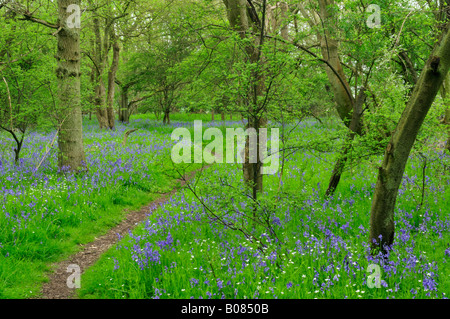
(57, 287)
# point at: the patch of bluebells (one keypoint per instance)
(329, 238)
(41, 196)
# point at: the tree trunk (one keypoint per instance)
(252, 168)
(100, 90)
(339, 167)
(104, 101)
(410, 74)
(330, 52)
(243, 19)
(355, 128)
(124, 114)
(345, 102)
(100, 110)
(70, 138)
(112, 85)
(397, 152)
(166, 119)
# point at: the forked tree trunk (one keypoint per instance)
(70, 138)
(397, 152)
(104, 101)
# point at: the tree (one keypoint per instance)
(396, 155)
(104, 38)
(23, 98)
(245, 21)
(70, 137)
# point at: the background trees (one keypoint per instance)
(26, 93)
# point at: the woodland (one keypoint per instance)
(349, 99)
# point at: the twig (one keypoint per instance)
(48, 148)
(401, 29)
(9, 100)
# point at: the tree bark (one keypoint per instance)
(112, 85)
(104, 99)
(397, 152)
(70, 138)
(100, 90)
(100, 110)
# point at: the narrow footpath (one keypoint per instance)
(57, 288)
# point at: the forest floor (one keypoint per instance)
(137, 230)
(57, 287)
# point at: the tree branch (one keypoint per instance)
(27, 16)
